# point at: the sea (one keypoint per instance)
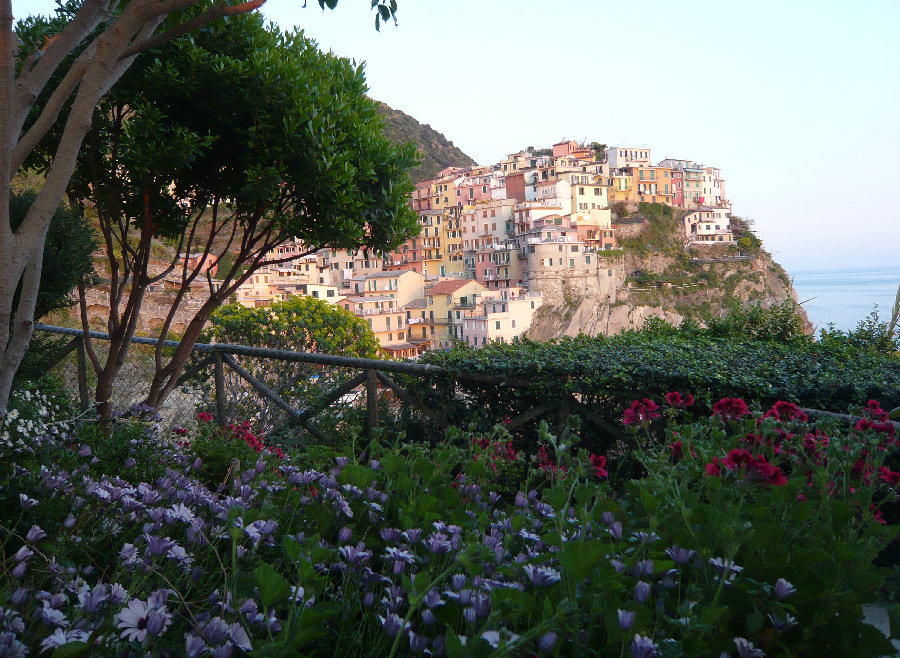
(845, 297)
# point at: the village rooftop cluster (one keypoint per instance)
(493, 240)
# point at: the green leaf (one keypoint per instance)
(291, 548)
(71, 649)
(578, 558)
(754, 622)
(273, 588)
(557, 497)
(650, 502)
(331, 3)
(455, 648)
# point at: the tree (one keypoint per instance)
(230, 143)
(95, 46)
(299, 324)
(67, 253)
(67, 263)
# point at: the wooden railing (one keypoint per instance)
(372, 374)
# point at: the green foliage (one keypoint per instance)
(746, 239)
(300, 324)
(435, 151)
(332, 553)
(244, 113)
(779, 323)
(662, 233)
(67, 263)
(872, 333)
(753, 356)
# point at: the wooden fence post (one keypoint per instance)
(83, 395)
(221, 417)
(372, 401)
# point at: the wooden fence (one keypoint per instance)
(371, 375)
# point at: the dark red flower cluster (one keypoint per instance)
(785, 411)
(814, 444)
(874, 410)
(755, 468)
(889, 476)
(675, 399)
(641, 412)
(599, 464)
(243, 433)
(731, 408)
(887, 427)
(205, 417)
(546, 464)
(493, 453)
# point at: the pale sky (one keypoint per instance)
(797, 102)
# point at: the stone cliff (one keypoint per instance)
(672, 283)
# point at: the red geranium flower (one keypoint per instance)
(713, 467)
(731, 408)
(205, 417)
(599, 464)
(675, 399)
(889, 476)
(785, 411)
(640, 412)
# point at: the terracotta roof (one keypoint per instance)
(448, 287)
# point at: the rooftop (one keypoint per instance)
(448, 287)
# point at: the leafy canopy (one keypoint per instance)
(303, 324)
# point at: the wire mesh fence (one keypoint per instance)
(281, 393)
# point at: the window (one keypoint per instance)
(532, 304)
(574, 247)
(587, 259)
(497, 324)
(608, 272)
(571, 262)
(642, 174)
(513, 324)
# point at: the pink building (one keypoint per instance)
(472, 189)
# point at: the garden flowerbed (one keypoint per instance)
(747, 534)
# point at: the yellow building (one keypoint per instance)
(433, 252)
(445, 303)
(653, 184)
(621, 188)
(443, 193)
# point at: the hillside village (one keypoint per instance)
(495, 239)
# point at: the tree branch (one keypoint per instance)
(192, 24)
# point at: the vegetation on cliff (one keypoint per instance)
(435, 151)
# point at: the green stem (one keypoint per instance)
(413, 606)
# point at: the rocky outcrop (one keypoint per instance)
(672, 287)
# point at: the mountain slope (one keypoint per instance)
(435, 150)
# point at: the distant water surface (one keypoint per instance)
(845, 297)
